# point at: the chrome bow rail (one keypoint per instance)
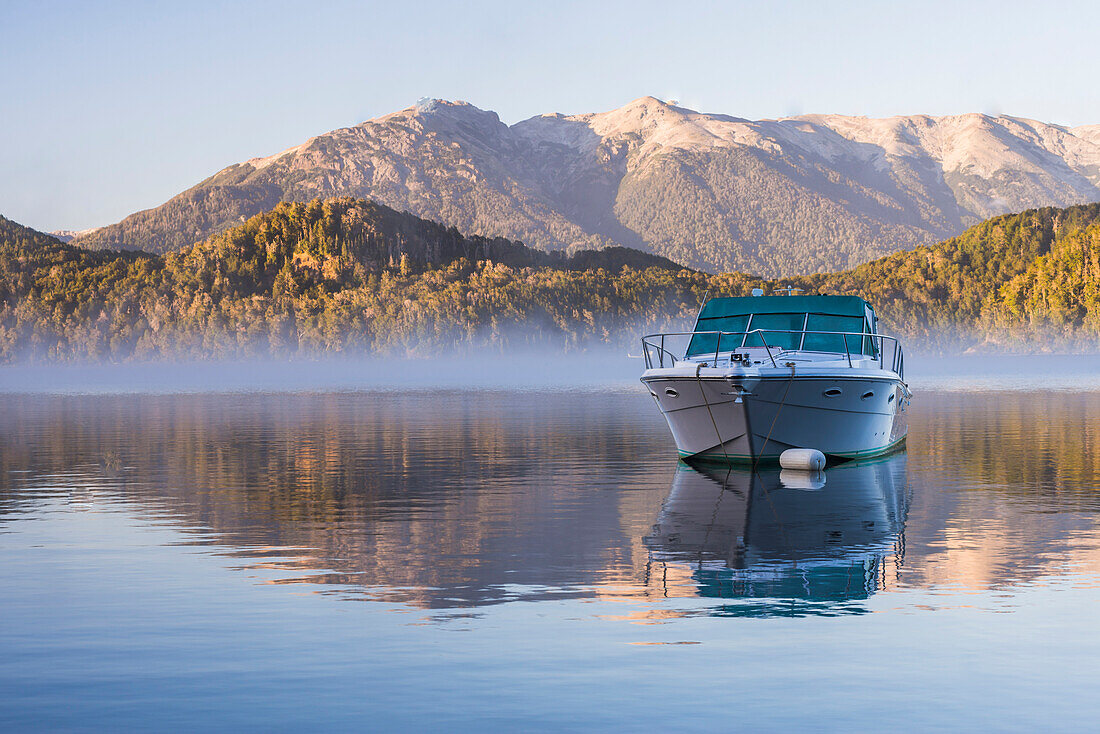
(657, 352)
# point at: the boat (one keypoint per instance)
(781, 541)
(761, 374)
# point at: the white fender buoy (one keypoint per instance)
(795, 479)
(802, 459)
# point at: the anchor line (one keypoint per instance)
(723, 487)
(782, 402)
(703, 393)
(756, 461)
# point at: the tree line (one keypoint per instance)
(346, 276)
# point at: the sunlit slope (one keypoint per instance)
(1014, 278)
(314, 278)
(351, 276)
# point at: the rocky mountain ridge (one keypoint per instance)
(785, 196)
(68, 235)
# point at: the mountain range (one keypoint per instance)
(720, 193)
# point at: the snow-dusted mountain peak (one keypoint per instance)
(444, 115)
(776, 196)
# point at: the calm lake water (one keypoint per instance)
(471, 559)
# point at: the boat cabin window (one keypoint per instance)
(835, 342)
(707, 343)
(784, 331)
(781, 322)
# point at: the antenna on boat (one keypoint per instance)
(699, 314)
(788, 291)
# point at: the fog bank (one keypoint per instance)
(482, 371)
(606, 369)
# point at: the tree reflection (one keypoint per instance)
(461, 499)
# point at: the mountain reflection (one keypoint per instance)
(433, 500)
(442, 500)
(793, 541)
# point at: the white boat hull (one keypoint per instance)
(755, 416)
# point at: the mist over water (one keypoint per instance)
(496, 369)
(968, 372)
(487, 370)
(489, 542)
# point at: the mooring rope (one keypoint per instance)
(756, 461)
(717, 433)
(723, 487)
(782, 402)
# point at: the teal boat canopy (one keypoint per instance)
(778, 316)
(743, 306)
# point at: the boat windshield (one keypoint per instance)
(782, 322)
(785, 322)
(835, 342)
(704, 343)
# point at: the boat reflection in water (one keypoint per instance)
(782, 542)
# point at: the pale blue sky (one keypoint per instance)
(113, 107)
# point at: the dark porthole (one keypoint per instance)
(672, 393)
(832, 392)
(868, 394)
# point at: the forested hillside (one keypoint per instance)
(350, 276)
(314, 278)
(1025, 280)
